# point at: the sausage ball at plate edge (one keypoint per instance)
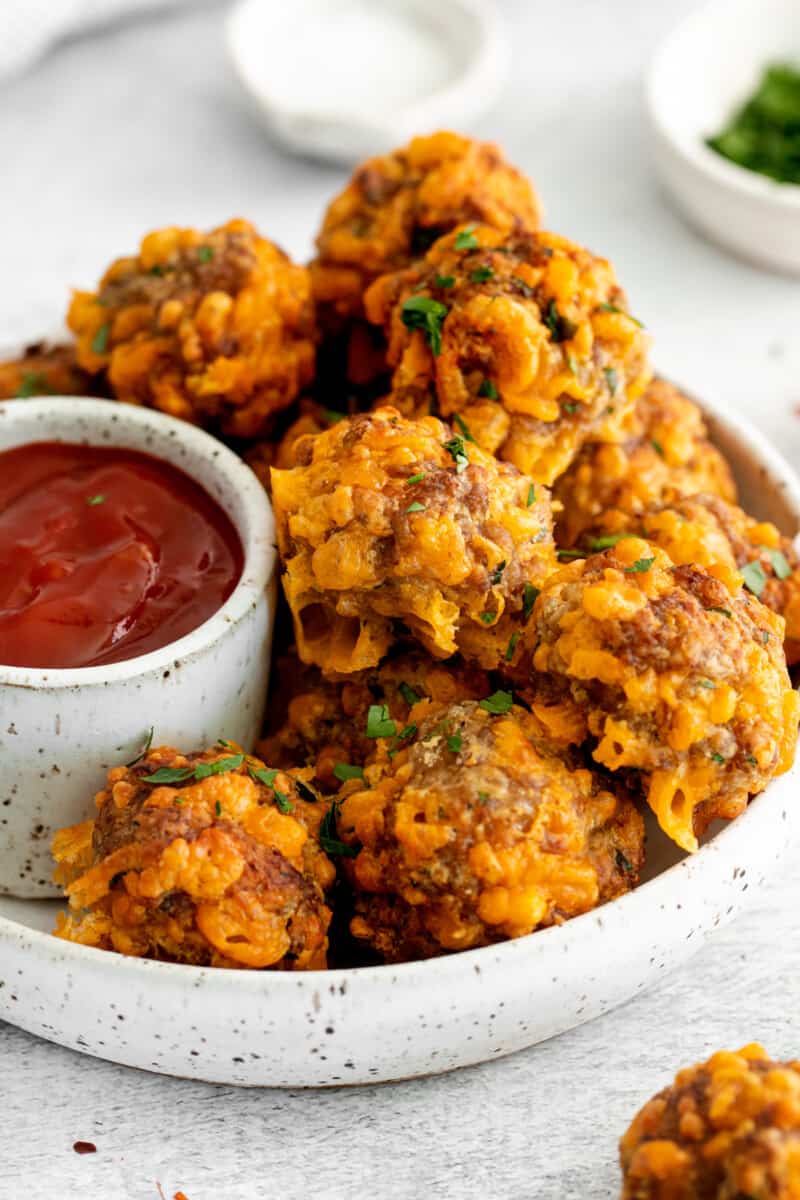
(676, 676)
(706, 530)
(475, 830)
(216, 328)
(662, 451)
(389, 524)
(523, 339)
(208, 858)
(726, 1129)
(45, 370)
(332, 726)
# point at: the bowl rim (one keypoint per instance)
(259, 549)
(448, 969)
(696, 154)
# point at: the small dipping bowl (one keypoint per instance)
(704, 71)
(61, 730)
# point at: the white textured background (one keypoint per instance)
(142, 125)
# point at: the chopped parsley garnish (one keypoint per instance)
(751, 759)
(156, 269)
(483, 797)
(418, 478)
(614, 308)
(31, 384)
(328, 835)
(93, 500)
(754, 577)
(427, 315)
(169, 775)
(725, 612)
(529, 597)
(762, 134)
(444, 281)
(305, 792)
(570, 406)
(415, 506)
(779, 562)
(402, 737)
(498, 703)
(282, 802)
(717, 758)
(462, 425)
(561, 328)
(267, 776)
(345, 771)
(332, 416)
(456, 448)
(219, 767)
(623, 862)
(512, 645)
(531, 495)
(454, 743)
(100, 339)
(497, 573)
(218, 808)
(488, 390)
(379, 723)
(659, 449)
(205, 253)
(147, 744)
(569, 555)
(607, 541)
(706, 683)
(481, 274)
(409, 695)
(264, 775)
(640, 566)
(522, 286)
(466, 240)
(764, 636)
(488, 618)
(612, 378)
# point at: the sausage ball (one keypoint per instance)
(45, 371)
(727, 1129)
(215, 328)
(396, 205)
(207, 858)
(476, 830)
(662, 452)
(307, 420)
(324, 724)
(524, 336)
(706, 530)
(672, 673)
(391, 521)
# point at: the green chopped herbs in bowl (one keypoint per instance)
(764, 135)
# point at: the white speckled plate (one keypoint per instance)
(381, 1023)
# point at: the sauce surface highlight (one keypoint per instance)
(105, 554)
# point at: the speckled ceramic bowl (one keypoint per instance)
(60, 730)
(381, 1023)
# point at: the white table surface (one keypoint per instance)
(143, 126)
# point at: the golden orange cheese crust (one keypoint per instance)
(207, 858)
(706, 530)
(727, 1129)
(475, 830)
(396, 205)
(525, 337)
(45, 370)
(390, 525)
(673, 672)
(322, 723)
(307, 419)
(662, 451)
(216, 328)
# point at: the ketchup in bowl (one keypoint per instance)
(105, 554)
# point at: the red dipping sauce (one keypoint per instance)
(105, 554)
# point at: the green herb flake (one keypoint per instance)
(498, 703)
(345, 771)
(570, 407)
(466, 240)
(718, 759)
(412, 479)
(606, 541)
(218, 808)
(531, 495)
(529, 597)
(561, 328)
(100, 339)
(147, 744)
(415, 506)
(497, 574)
(612, 379)
(614, 308)
(725, 612)
(454, 743)
(379, 723)
(512, 645)
(305, 792)
(427, 315)
(444, 281)
(640, 566)
(156, 269)
(659, 449)
(263, 775)
(332, 416)
(457, 450)
(570, 555)
(522, 286)
(282, 801)
(169, 775)
(92, 501)
(409, 695)
(751, 759)
(780, 564)
(205, 253)
(488, 618)
(764, 636)
(483, 797)
(623, 862)
(329, 835)
(403, 736)
(488, 390)
(755, 580)
(220, 767)
(481, 274)
(462, 425)
(31, 384)
(706, 683)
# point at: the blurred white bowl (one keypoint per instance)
(704, 70)
(327, 84)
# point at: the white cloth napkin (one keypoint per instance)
(28, 28)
